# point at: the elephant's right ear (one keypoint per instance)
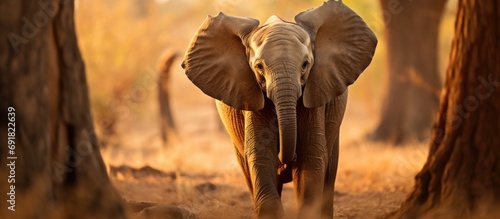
(216, 62)
(343, 47)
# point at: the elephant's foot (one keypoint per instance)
(327, 212)
(311, 210)
(269, 209)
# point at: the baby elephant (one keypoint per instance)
(281, 91)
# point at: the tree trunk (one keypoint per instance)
(461, 178)
(167, 124)
(412, 29)
(141, 8)
(59, 172)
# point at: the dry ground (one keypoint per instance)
(199, 171)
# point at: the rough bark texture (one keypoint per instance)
(167, 124)
(461, 178)
(59, 172)
(414, 84)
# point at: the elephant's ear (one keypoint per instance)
(343, 48)
(216, 62)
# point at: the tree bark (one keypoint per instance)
(461, 178)
(59, 172)
(412, 29)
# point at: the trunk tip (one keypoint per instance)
(287, 159)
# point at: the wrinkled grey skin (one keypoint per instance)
(281, 91)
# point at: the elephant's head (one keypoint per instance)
(234, 60)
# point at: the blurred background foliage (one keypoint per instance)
(121, 42)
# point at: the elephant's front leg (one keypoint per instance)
(334, 112)
(261, 155)
(309, 170)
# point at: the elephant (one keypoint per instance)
(281, 92)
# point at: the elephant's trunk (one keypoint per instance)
(285, 96)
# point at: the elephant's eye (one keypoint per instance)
(259, 66)
(305, 64)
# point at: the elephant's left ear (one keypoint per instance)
(343, 47)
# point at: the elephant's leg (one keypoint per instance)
(309, 171)
(244, 167)
(334, 113)
(331, 174)
(280, 188)
(234, 122)
(261, 156)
